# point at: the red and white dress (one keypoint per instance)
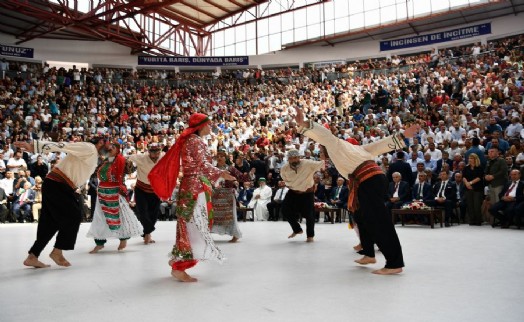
(113, 218)
(193, 207)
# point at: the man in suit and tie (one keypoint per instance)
(274, 206)
(461, 195)
(24, 198)
(422, 189)
(398, 192)
(422, 192)
(510, 197)
(245, 194)
(339, 197)
(445, 193)
(401, 167)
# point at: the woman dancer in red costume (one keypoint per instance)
(193, 206)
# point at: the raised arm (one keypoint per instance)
(79, 149)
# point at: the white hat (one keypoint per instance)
(293, 153)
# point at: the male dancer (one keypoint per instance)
(367, 188)
(147, 202)
(300, 199)
(61, 212)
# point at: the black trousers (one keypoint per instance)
(508, 211)
(60, 213)
(296, 204)
(148, 207)
(3, 213)
(374, 223)
(93, 205)
(274, 210)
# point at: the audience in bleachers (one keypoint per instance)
(469, 100)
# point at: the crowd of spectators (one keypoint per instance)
(465, 98)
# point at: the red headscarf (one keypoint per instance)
(164, 174)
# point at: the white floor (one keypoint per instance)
(460, 273)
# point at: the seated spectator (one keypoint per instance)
(440, 162)
(413, 161)
(37, 204)
(167, 206)
(445, 196)
(23, 202)
(509, 198)
(398, 192)
(422, 190)
(39, 167)
(429, 163)
(261, 197)
(435, 154)
(245, 194)
(16, 163)
(338, 197)
(274, 206)
(319, 189)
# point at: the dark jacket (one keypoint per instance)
(439, 165)
(427, 192)
(245, 195)
(499, 169)
(450, 192)
(320, 193)
(403, 191)
(30, 197)
(342, 196)
(461, 189)
(519, 196)
(404, 169)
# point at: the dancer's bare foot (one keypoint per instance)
(388, 271)
(294, 234)
(123, 244)
(148, 240)
(234, 239)
(358, 247)
(182, 276)
(33, 261)
(96, 249)
(58, 258)
(366, 260)
(310, 240)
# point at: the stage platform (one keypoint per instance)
(460, 273)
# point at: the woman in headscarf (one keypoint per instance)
(113, 218)
(193, 207)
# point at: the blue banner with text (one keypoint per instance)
(443, 36)
(193, 61)
(6, 50)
